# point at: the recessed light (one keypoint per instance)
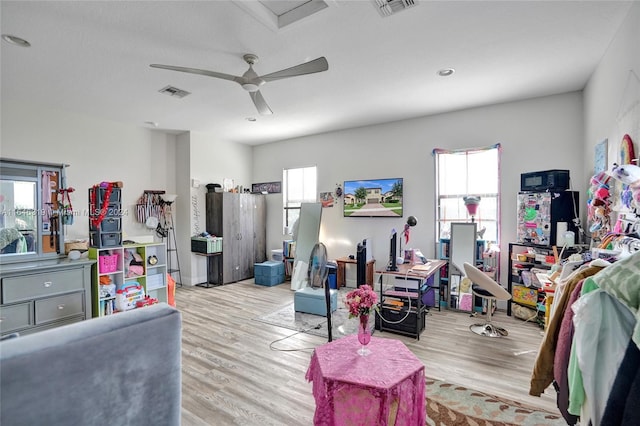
(16, 40)
(151, 123)
(446, 72)
(252, 119)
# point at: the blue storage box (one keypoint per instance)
(332, 276)
(269, 273)
(312, 301)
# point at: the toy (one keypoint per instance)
(146, 301)
(129, 295)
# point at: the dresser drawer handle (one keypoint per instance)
(60, 307)
(48, 283)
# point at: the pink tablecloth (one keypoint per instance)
(385, 388)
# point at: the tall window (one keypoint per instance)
(468, 172)
(299, 186)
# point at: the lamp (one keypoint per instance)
(411, 222)
(471, 202)
(393, 261)
(168, 198)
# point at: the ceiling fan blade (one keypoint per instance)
(317, 65)
(199, 71)
(260, 103)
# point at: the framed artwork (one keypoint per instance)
(266, 187)
(600, 157)
(373, 198)
(326, 199)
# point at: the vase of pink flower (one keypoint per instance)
(361, 302)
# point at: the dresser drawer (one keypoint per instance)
(58, 307)
(28, 287)
(15, 317)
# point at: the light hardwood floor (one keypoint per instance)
(230, 376)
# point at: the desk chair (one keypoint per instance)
(485, 287)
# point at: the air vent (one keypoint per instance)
(389, 7)
(174, 91)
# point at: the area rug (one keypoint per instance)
(454, 405)
(287, 317)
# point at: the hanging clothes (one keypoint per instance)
(622, 405)
(561, 359)
(542, 375)
(603, 328)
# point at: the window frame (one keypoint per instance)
(288, 207)
(440, 222)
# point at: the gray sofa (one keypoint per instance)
(123, 369)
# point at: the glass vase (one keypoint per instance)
(364, 335)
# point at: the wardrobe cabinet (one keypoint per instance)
(240, 219)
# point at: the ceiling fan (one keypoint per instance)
(251, 81)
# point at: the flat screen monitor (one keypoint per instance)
(373, 198)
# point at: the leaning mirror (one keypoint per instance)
(462, 249)
(29, 219)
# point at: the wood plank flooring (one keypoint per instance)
(231, 376)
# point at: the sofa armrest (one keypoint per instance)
(118, 369)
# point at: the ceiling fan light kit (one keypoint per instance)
(251, 81)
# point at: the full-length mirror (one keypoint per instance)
(306, 237)
(462, 249)
(29, 212)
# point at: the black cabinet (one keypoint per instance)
(240, 219)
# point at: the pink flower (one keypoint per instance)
(361, 300)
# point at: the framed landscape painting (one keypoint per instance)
(373, 198)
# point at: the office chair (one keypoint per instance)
(485, 287)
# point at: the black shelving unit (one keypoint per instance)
(542, 259)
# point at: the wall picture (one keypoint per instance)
(266, 187)
(326, 199)
(600, 157)
(373, 198)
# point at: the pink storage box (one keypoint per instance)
(466, 300)
(108, 263)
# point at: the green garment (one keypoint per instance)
(576, 388)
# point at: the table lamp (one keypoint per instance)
(471, 202)
(411, 222)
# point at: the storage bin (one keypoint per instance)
(155, 281)
(113, 210)
(206, 245)
(108, 263)
(277, 255)
(115, 196)
(525, 295)
(332, 275)
(108, 224)
(104, 240)
(415, 321)
(313, 301)
(269, 273)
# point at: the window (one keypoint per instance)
(469, 172)
(299, 186)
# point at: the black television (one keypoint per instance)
(373, 198)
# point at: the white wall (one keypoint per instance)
(612, 95)
(537, 134)
(95, 150)
(210, 161)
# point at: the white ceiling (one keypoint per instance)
(92, 58)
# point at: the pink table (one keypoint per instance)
(385, 388)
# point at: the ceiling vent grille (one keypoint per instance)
(389, 7)
(174, 92)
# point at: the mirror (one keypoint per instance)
(29, 223)
(306, 237)
(18, 221)
(462, 249)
